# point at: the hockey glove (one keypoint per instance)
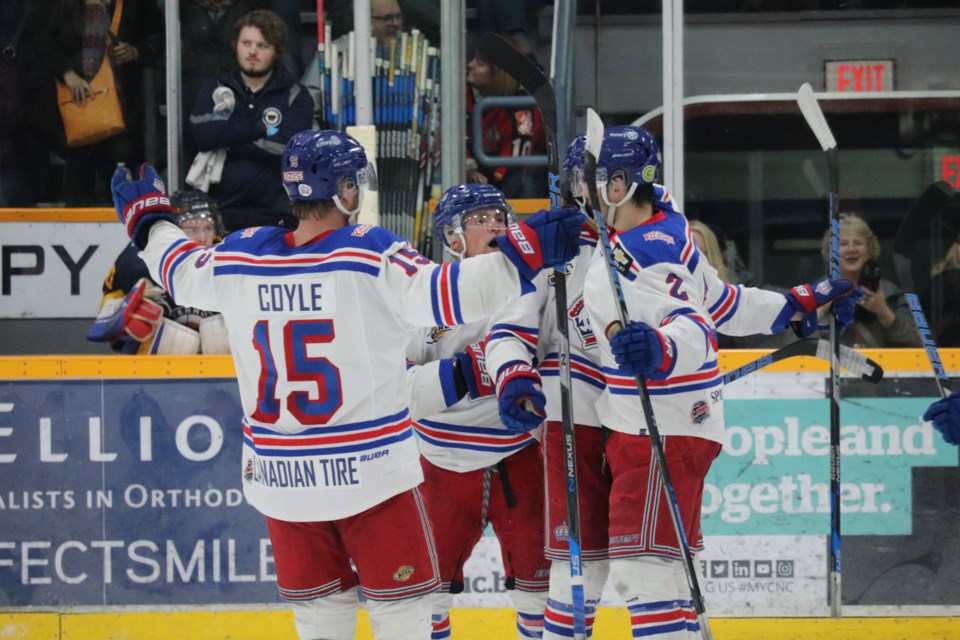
(470, 371)
(807, 298)
(134, 316)
(520, 397)
(641, 350)
(548, 238)
(140, 203)
(945, 416)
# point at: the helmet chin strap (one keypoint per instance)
(351, 214)
(612, 206)
(459, 255)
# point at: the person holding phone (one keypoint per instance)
(882, 318)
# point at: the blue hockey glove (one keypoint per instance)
(945, 416)
(641, 350)
(471, 366)
(140, 203)
(807, 298)
(548, 238)
(843, 308)
(523, 407)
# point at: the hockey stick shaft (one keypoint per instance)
(927, 207)
(593, 143)
(502, 54)
(812, 113)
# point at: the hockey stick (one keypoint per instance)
(930, 203)
(593, 144)
(818, 124)
(498, 52)
(854, 362)
(321, 108)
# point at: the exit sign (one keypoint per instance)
(859, 76)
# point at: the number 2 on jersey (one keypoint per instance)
(675, 281)
(300, 367)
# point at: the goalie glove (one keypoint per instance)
(548, 238)
(140, 203)
(805, 299)
(135, 316)
(520, 397)
(470, 372)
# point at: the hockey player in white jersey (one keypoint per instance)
(476, 470)
(317, 320)
(676, 304)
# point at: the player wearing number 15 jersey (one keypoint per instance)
(317, 320)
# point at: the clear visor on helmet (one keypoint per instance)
(576, 182)
(493, 218)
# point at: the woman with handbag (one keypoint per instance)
(96, 51)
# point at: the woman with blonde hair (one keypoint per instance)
(706, 241)
(883, 317)
(941, 302)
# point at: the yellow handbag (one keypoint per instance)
(101, 117)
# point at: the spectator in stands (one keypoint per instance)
(507, 132)
(73, 43)
(941, 303)
(882, 318)
(389, 17)
(136, 314)
(706, 241)
(270, 107)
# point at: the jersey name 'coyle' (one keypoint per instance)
(294, 297)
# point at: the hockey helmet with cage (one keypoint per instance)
(630, 152)
(459, 201)
(573, 166)
(191, 204)
(325, 165)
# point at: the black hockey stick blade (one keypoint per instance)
(497, 51)
(853, 361)
(926, 208)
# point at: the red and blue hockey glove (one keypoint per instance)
(523, 407)
(140, 203)
(945, 416)
(807, 298)
(135, 316)
(641, 350)
(548, 238)
(470, 371)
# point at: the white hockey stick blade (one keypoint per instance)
(853, 361)
(594, 133)
(814, 116)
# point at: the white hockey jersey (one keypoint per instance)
(458, 435)
(669, 285)
(317, 333)
(527, 329)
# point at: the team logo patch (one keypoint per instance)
(248, 232)
(158, 185)
(294, 161)
(361, 230)
(272, 117)
(622, 259)
(561, 532)
(824, 288)
(649, 173)
(248, 470)
(304, 190)
(699, 412)
(658, 235)
(524, 123)
(293, 176)
(582, 324)
(436, 333)
(403, 573)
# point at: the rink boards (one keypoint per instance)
(145, 451)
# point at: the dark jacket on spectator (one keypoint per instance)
(251, 193)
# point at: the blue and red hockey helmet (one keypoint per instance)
(630, 152)
(324, 165)
(459, 201)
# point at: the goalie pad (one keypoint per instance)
(134, 315)
(173, 339)
(213, 336)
